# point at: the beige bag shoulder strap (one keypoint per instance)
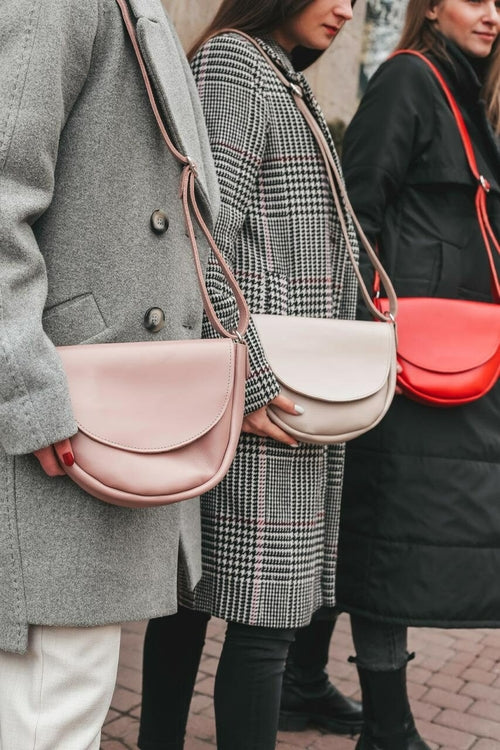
(337, 186)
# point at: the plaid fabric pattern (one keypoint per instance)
(270, 528)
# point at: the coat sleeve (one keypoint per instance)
(45, 50)
(392, 127)
(236, 113)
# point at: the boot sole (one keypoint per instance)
(294, 722)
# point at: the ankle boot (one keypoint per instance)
(317, 703)
(389, 723)
(308, 697)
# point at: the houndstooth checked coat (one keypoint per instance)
(270, 528)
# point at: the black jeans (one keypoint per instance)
(247, 685)
(380, 646)
(308, 654)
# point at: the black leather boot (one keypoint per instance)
(389, 723)
(308, 697)
(321, 705)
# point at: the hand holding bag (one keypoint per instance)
(341, 372)
(449, 349)
(159, 422)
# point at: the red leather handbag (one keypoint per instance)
(449, 349)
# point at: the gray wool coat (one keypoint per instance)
(82, 168)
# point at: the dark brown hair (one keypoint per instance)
(419, 33)
(258, 18)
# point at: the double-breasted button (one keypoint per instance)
(159, 221)
(154, 319)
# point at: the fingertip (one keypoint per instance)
(68, 458)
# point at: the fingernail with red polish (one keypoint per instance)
(68, 458)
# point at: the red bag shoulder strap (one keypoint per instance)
(483, 187)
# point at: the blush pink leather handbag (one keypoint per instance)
(159, 422)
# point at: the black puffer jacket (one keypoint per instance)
(420, 530)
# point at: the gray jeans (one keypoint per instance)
(380, 646)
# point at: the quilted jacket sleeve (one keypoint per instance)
(236, 115)
(45, 51)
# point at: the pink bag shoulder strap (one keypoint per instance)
(189, 202)
(337, 186)
(483, 187)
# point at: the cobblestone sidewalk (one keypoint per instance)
(454, 685)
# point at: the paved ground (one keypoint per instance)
(454, 684)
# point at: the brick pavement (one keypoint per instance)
(454, 685)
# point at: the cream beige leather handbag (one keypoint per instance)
(341, 372)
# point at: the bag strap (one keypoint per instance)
(483, 186)
(189, 203)
(337, 186)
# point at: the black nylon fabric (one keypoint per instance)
(420, 526)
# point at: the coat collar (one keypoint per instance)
(464, 79)
(169, 72)
(461, 72)
(281, 57)
(283, 60)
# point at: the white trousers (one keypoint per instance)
(56, 696)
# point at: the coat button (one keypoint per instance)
(154, 319)
(159, 222)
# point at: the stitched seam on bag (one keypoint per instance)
(189, 439)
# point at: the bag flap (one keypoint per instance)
(332, 360)
(150, 396)
(447, 335)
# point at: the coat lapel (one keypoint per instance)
(176, 93)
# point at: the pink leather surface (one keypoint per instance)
(149, 397)
(154, 473)
(140, 479)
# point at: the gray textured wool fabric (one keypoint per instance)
(82, 168)
(270, 528)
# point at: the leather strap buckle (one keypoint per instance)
(484, 183)
(192, 166)
(238, 337)
(295, 89)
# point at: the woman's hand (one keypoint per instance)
(258, 423)
(48, 459)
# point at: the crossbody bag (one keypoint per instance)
(449, 349)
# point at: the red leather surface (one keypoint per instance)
(449, 350)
